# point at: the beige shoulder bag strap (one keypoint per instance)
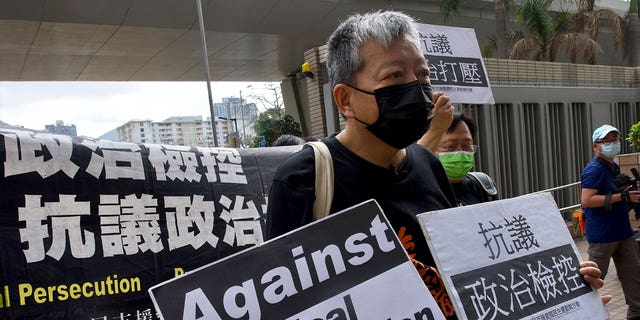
(324, 179)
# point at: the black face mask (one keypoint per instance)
(426, 88)
(404, 113)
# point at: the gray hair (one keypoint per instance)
(343, 57)
(288, 140)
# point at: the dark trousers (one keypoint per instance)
(626, 258)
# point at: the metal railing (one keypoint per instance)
(562, 187)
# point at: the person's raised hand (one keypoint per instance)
(442, 113)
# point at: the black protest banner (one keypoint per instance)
(87, 226)
(350, 266)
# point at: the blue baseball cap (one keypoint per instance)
(603, 131)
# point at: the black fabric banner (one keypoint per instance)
(88, 226)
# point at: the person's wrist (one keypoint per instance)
(625, 196)
(437, 130)
(608, 200)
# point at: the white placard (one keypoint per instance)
(455, 63)
(510, 259)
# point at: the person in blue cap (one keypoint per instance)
(606, 208)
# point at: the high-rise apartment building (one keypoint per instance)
(180, 131)
(245, 114)
(138, 131)
(184, 131)
(60, 128)
(234, 127)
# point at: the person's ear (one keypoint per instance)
(342, 96)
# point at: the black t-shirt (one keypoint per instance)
(469, 191)
(420, 185)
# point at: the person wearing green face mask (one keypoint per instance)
(456, 150)
(457, 163)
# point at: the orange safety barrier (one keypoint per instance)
(578, 214)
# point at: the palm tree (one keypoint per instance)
(450, 7)
(588, 20)
(548, 34)
(490, 47)
(501, 28)
(632, 43)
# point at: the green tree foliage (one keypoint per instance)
(634, 137)
(273, 123)
(490, 47)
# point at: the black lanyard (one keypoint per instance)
(612, 169)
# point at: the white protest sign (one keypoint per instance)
(347, 266)
(455, 63)
(510, 259)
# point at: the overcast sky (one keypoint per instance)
(98, 107)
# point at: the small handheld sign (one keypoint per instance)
(455, 63)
